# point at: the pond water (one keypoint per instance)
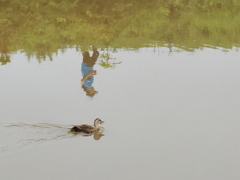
(163, 75)
(167, 116)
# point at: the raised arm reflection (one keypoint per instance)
(88, 72)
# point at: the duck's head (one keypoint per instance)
(98, 121)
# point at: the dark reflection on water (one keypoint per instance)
(87, 68)
(14, 135)
(41, 28)
(88, 72)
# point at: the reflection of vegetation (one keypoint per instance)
(42, 27)
(4, 59)
(107, 61)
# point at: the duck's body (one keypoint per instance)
(83, 128)
(88, 129)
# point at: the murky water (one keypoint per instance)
(163, 75)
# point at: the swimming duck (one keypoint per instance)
(88, 129)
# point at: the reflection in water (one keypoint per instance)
(96, 134)
(4, 59)
(133, 24)
(14, 135)
(88, 72)
(106, 60)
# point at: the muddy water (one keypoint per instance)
(168, 116)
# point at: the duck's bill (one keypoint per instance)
(102, 122)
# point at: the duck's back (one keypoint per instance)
(75, 129)
(82, 128)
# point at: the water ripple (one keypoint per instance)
(14, 135)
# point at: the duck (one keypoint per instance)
(87, 129)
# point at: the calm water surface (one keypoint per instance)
(166, 84)
(168, 116)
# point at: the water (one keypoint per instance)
(16, 135)
(166, 83)
(168, 116)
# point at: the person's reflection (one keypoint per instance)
(88, 72)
